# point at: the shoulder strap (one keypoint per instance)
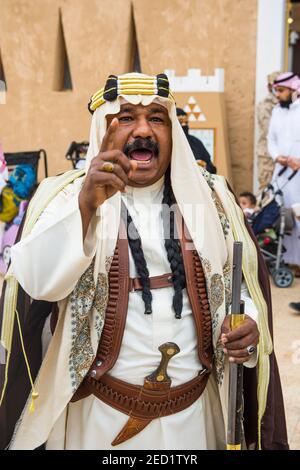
(115, 315)
(197, 293)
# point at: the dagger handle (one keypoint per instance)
(159, 378)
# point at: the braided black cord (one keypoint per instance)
(172, 246)
(135, 244)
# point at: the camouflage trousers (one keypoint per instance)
(265, 170)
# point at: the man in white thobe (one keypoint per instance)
(284, 145)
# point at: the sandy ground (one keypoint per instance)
(287, 348)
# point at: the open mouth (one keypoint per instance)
(141, 155)
(142, 151)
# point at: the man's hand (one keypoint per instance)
(294, 163)
(99, 184)
(282, 160)
(235, 342)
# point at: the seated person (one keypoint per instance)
(247, 202)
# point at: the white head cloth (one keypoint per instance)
(192, 193)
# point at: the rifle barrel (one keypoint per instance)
(235, 402)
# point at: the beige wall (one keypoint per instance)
(171, 34)
(208, 34)
(35, 115)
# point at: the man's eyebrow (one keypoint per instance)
(126, 109)
(152, 110)
(158, 110)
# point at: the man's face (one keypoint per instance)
(184, 121)
(144, 134)
(283, 93)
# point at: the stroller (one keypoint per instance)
(77, 153)
(270, 225)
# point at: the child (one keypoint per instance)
(247, 202)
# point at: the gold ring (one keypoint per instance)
(108, 166)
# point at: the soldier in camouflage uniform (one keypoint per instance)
(264, 111)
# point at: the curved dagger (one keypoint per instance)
(157, 380)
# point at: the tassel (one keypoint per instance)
(34, 396)
(34, 393)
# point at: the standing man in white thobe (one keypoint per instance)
(284, 147)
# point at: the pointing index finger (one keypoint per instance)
(108, 139)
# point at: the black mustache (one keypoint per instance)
(138, 144)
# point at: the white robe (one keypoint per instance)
(284, 140)
(91, 424)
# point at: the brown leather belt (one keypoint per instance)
(142, 403)
(156, 282)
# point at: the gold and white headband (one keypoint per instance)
(131, 85)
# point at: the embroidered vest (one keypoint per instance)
(116, 310)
